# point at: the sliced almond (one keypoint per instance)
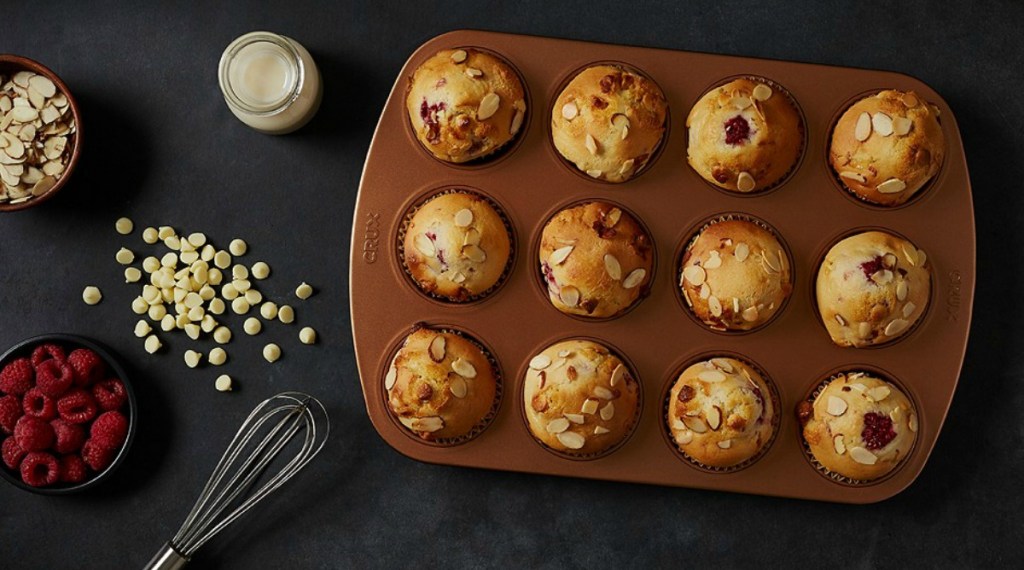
(750, 314)
(922, 257)
(437, 348)
(901, 290)
(425, 245)
(882, 277)
(571, 440)
(429, 424)
(575, 418)
(705, 291)
(517, 122)
(836, 406)
(560, 255)
(741, 252)
(634, 278)
(715, 306)
(770, 262)
(891, 186)
(558, 425)
(895, 414)
(882, 124)
(590, 406)
(762, 92)
(711, 375)
(908, 310)
(910, 100)
(569, 111)
(840, 320)
(714, 416)
(540, 362)
(24, 114)
(740, 102)
(594, 173)
(612, 218)
(863, 129)
(901, 125)
(473, 72)
(458, 387)
(570, 295)
(851, 175)
(474, 253)
(459, 56)
(723, 365)
(464, 368)
(463, 217)
(617, 375)
(838, 444)
(745, 182)
(590, 143)
(911, 255)
(42, 85)
(488, 106)
(603, 393)
(896, 327)
(714, 260)
(696, 425)
(695, 274)
(472, 237)
(608, 411)
(912, 422)
(725, 444)
(878, 393)
(683, 436)
(601, 430)
(863, 456)
(611, 265)
(458, 277)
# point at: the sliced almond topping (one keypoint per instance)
(836, 406)
(910, 254)
(429, 424)
(569, 111)
(840, 320)
(695, 424)
(750, 314)
(677, 424)
(725, 444)
(858, 386)
(617, 375)
(474, 253)
(901, 125)
(437, 348)
(458, 277)
(590, 406)
(463, 217)
(601, 430)
(853, 176)
(769, 260)
(912, 422)
(901, 290)
(458, 387)
(695, 274)
(863, 456)
(891, 186)
(922, 257)
(714, 416)
(594, 173)
(878, 393)
(711, 375)
(620, 120)
(714, 260)
(722, 364)
(590, 143)
(559, 255)
(425, 245)
(863, 129)
(540, 362)
(558, 425)
(896, 327)
(571, 440)
(882, 124)
(570, 295)
(838, 444)
(882, 277)
(473, 72)
(488, 106)
(908, 310)
(705, 291)
(517, 122)
(603, 393)
(889, 261)
(459, 56)
(745, 182)
(627, 166)
(564, 353)
(634, 278)
(612, 218)
(910, 100)
(608, 411)
(390, 378)
(715, 306)
(896, 414)
(464, 368)
(683, 436)
(740, 102)
(741, 252)
(575, 418)
(611, 265)
(735, 305)
(762, 92)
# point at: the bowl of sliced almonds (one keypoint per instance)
(39, 133)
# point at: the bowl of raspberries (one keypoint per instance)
(67, 414)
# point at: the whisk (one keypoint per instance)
(229, 493)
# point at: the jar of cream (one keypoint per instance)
(270, 82)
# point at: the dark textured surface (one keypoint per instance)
(162, 148)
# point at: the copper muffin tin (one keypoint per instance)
(529, 180)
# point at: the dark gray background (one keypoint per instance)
(161, 147)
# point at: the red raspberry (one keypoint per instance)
(69, 436)
(72, 469)
(33, 434)
(110, 394)
(45, 352)
(54, 378)
(17, 377)
(97, 457)
(40, 469)
(77, 406)
(10, 411)
(878, 431)
(12, 453)
(88, 366)
(109, 430)
(39, 405)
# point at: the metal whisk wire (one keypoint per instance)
(241, 466)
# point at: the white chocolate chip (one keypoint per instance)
(222, 259)
(132, 275)
(252, 326)
(149, 235)
(260, 270)
(271, 352)
(307, 335)
(124, 226)
(238, 247)
(268, 310)
(240, 272)
(286, 314)
(240, 306)
(222, 335)
(142, 329)
(124, 256)
(153, 344)
(193, 358)
(223, 383)
(303, 291)
(253, 297)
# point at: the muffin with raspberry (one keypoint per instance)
(465, 104)
(744, 136)
(441, 386)
(859, 426)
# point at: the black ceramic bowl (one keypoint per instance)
(71, 342)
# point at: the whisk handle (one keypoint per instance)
(167, 559)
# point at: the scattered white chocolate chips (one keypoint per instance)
(271, 352)
(303, 291)
(307, 335)
(252, 326)
(124, 226)
(238, 247)
(142, 328)
(217, 357)
(124, 256)
(153, 344)
(286, 314)
(223, 383)
(192, 358)
(92, 295)
(260, 270)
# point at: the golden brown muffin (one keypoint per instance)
(465, 104)
(456, 246)
(859, 426)
(720, 412)
(886, 146)
(596, 260)
(440, 385)
(735, 275)
(872, 287)
(744, 136)
(579, 398)
(608, 121)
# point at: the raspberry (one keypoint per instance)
(72, 469)
(12, 453)
(45, 352)
(10, 411)
(737, 130)
(109, 430)
(39, 405)
(88, 366)
(77, 406)
(54, 378)
(69, 437)
(17, 377)
(97, 457)
(878, 431)
(40, 469)
(110, 394)
(33, 434)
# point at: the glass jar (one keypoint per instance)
(270, 82)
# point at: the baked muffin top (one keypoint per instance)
(886, 146)
(596, 260)
(608, 121)
(464, 104)
(744, 136)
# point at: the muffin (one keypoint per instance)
(872, 287)
(595, 259)
(440, 385)
(744, 136)
(886, 146)
(579, 398)
(456, 246)
(720, 412)
(608, 121)
(735, 275)
(859, 426)
(465, 104)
